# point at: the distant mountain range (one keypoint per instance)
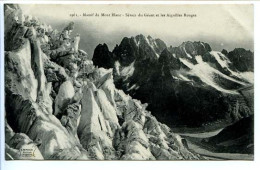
(186, 86)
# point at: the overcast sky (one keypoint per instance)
(222, 26)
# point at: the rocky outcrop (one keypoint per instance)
(242, 60)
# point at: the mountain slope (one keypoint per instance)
(236, 138)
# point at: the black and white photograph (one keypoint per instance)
(144, 82)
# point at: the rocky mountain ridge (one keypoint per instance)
(189, 85)
(59, 106)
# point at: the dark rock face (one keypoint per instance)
(176, 94)
(243, 60)
(127, 51)
(225, 52)
(157, 44)
(167, 60)
(103, 57)
(139, 55)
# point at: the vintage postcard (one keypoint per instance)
(129, 81)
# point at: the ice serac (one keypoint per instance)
(20, 146)
(13, 26)
(19, 75)
(106, 83)
(142, 137)
(94, 130)
(30, 118)
(28, 101)
(107, 108)
(70, 118)
(90, 115)
(65, 95)
(64, 108)
(122, 131)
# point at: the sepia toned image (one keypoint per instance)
(129, 82)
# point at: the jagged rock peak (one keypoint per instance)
(196, 44)
(140, 37)
(157, 44)
(138, 48)
(135, 48)
(165, 57)
(190, 49)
